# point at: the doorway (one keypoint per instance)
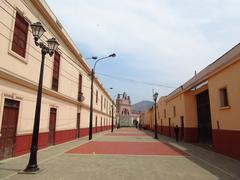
(52, 126)
(182, 128)
(204, 118)
(161, 127)
(169, 126)
(78, 125)
(104, 126)
(9, 128)
(96, 124)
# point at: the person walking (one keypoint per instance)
(176, 130)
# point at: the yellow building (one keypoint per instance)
(146, 120)
(206, 108)
(66, 80)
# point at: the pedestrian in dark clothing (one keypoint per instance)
(176, 130)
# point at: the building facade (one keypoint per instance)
(124, 114)
(64, 116)
(146, 121)
(206, 108)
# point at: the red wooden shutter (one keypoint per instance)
(56, 65)
(96, 96)
(101, 102)
(20, 33)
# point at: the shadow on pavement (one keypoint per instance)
(221, 166)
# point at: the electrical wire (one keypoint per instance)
(35, 58)
(46, 38)
(61, 51)
(76, 82)
(106, 75)
(60, 74)
(134, 81)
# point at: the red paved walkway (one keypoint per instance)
(126, 134)
(128, 130)
(129, 148)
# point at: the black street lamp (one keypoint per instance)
(91, 99)
(93, 57)
(112, 110)
(155, 96)
(37, 31)
(112, 115)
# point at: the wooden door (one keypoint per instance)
(9, 128)
(104, 126)
(169, 126)
(78, 125)
(52, 126)
(204, 118)
(161, 127)
(96, 124)
(182, 127)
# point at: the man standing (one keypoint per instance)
(176, 130)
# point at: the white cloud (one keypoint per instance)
(173, 37)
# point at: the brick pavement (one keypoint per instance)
(128, 148)
(58, 163)
(125, 134)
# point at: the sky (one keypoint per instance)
(159, 43)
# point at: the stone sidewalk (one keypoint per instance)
(57, 164)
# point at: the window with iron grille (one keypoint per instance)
(79, 87)
(20, 33)
(56, 65)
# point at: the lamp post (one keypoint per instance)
(112, 111)
(91, 98)
(93, 57)
(155, 96)
(37, 31)
(112, 115)
(139, 126)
